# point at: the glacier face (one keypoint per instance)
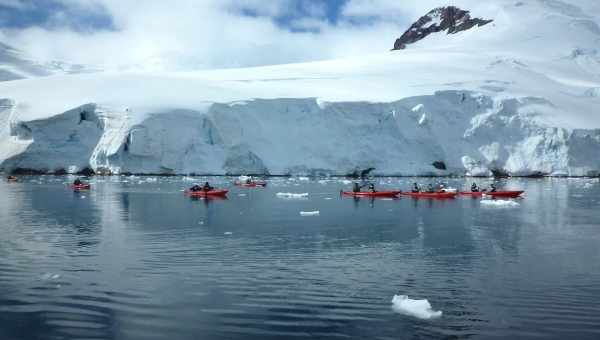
(517, 96)
(469, 133)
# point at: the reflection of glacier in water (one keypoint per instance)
(137, 250)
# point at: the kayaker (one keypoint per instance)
(355, 187)
(416, 188)
(77, 182)
(430, 188)
(372, 187)
(207, 187)
(249, 180)
(196, 188)
(492, 187)
(11, 178)
(474, 187)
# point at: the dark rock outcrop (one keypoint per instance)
(452, 19)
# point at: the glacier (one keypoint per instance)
(518, 97)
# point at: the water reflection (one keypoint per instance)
(140, 260)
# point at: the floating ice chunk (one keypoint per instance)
(346, 182)
(588, 185)
(328, 198)
(242, 195)
(310, 213)
(302, 178)
(50, 276)
(228, 233)
(499, 203)
(417, 308)
(244, 178)
(423, 119)
(292, 195)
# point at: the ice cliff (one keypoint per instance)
(517, 96)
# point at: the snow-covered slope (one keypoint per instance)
(519, 95)
(15, 65)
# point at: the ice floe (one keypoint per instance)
(291, 195)
(417, 308)
(499, 203)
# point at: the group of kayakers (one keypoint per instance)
(475, 188)
(204, 188)
(357, 189)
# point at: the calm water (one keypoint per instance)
(136, 259)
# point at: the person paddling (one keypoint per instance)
(77, 182)
(415, 188)
(195, 188)
(492, 187)
(474, 187)
(372, 187)
(207, 187)
(430, 188)
(355, 187)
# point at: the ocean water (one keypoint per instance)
(134, 258)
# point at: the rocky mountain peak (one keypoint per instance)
(451, 19)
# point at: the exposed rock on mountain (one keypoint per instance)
(451, 19)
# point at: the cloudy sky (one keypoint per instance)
(201, 34)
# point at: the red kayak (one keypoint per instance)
(429, 194)
(371, 194)
(507, 194)
(250, 185)
(212, 193)
(80, 186)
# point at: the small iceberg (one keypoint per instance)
(499, 203)
(310, 213)
(292, 195)
(417, 308)
(228, 233)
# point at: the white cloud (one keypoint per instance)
(188, 34)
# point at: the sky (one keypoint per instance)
(203, 34)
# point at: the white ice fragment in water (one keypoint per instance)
(417, 308)
(423, 119)
(228, 233)
(292, 195)
(309, 213)
(499, 203)
(328, 198)
(242, 195)
(50, 276)
(346, 182)
(303, 178)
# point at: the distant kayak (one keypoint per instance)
(251, 184)
(371, 194)
(211, 193)
(508, 194)
(80, 186)
(429, 194)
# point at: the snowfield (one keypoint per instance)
(519, 96)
